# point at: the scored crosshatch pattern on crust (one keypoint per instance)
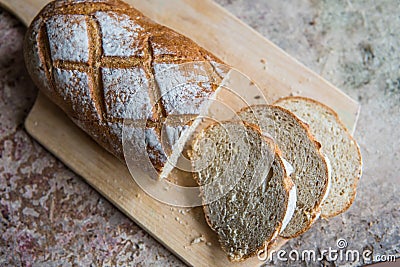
(119, 69)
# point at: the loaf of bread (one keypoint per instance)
(102, 60)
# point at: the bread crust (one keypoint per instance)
(74, 55)
(288, 185)
(346, 131)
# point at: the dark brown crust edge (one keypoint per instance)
(344, 128)
(288, 185)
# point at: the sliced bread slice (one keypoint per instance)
(337, 144)
(298, 146)
(246, 193)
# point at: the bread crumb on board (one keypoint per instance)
(184, 211)
(179, 220)
(198, 240)
(264, 62)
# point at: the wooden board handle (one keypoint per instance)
(25, 10)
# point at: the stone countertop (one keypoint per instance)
(51, 217)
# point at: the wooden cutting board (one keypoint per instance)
(218, 31)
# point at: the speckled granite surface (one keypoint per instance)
(51, 217)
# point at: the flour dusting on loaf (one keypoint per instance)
(126, 87)
(72, 43)
(121, 34)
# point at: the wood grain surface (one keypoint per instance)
(218, 31)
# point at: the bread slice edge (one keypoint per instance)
(349, 135)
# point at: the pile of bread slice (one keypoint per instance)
(314, 172)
